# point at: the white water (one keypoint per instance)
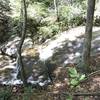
(47, 50)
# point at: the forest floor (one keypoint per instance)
(61, 89)
(88, 89)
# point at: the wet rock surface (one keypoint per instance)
(66, 48)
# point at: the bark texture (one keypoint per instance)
(88, 35)
(24, 26)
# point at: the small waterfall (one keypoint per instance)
(47, 50)
(14, 80)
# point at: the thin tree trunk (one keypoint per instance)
(56, 9)
(88, 36)
(24, 25)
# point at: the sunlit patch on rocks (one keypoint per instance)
(64, 49)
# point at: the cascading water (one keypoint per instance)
(15, 71)
(46, 51)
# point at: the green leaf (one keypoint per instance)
(69, 97)
(74, 82)
(73, 73)
(82, 77)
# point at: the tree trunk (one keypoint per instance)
(88, 36)
(56, 9)
(24, 25)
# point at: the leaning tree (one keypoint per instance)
(23, 31)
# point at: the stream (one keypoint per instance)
(65, 48)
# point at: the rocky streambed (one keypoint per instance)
(64, 49)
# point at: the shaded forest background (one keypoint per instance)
(43, 20)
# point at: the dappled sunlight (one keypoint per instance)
(7, 67)
(72, 58)
(96, 80)
(98, 49)
(65, 48)
(12, 82)
(70, 35)
(49, 50)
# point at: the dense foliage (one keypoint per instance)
(43, 21)
(4, 20)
